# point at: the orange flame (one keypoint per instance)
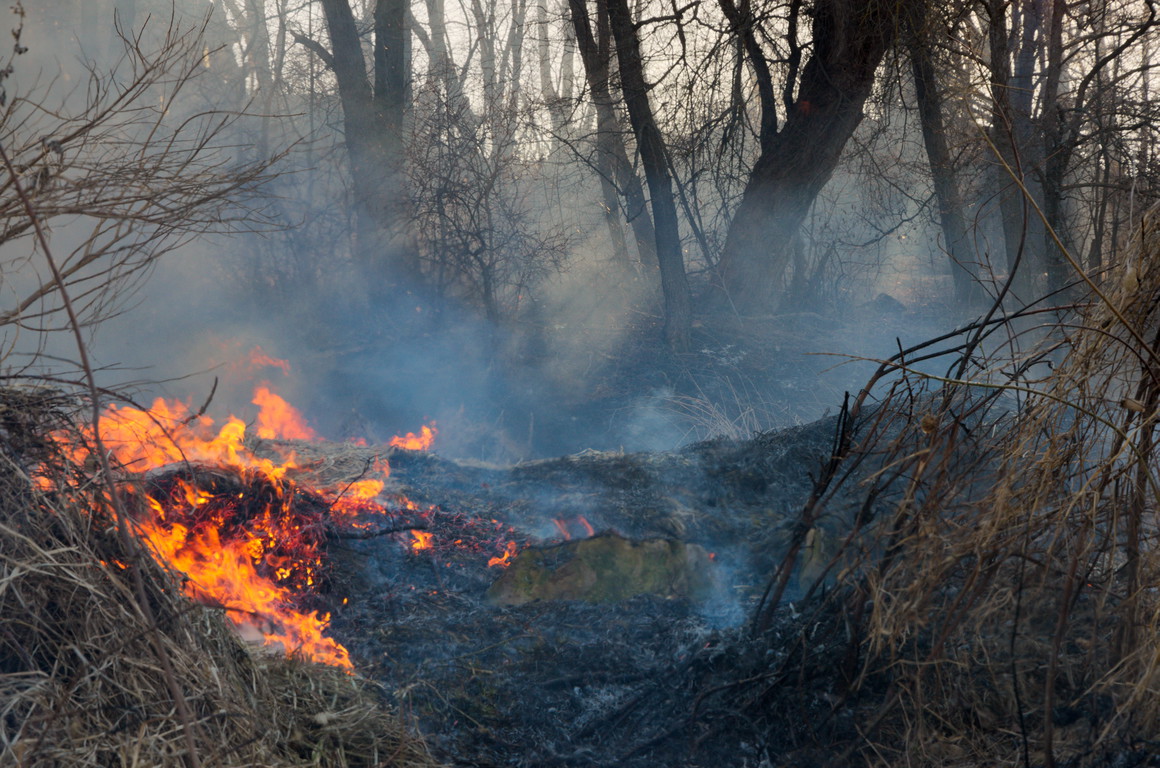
(565, 527)
(505, 559)
(222, 572)
(238, 532)
(278, 419)
(365, 490)
(413, 442)
(168, 433)
(257, 569)
(357, 499)
(259, 359)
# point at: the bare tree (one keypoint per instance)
(651, 145)
(823, 101)
(1057, 88)
(477, 208)
(126, 166)
(373, 110)
(618, 178)
(947, 192)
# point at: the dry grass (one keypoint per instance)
(82, 678)
(1010, 599)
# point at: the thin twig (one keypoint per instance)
(130, 544)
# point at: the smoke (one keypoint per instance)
(574, 362)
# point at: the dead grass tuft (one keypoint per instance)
(82, 681)
(1010, 597)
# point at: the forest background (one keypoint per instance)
(554, 225)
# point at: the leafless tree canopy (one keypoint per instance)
(119, 170)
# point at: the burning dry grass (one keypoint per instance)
(1009, 603)
(87, 678)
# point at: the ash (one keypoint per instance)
(641, 682)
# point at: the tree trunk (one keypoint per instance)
(650, 144)
(850, 39)
(595, 53)
(373, 129)
(1013, 135)
(964, 266)
(559, 112)
(1057, 157)
(392, 95)
(257, 61)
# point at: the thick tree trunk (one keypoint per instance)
(392, 95)
(392, 67)
(850, 39)
(373, 129)
(964, 264)
(650, 144)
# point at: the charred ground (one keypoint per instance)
(643, 681)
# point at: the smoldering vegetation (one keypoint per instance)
(103, 661)
(941, 573)
(882, 344)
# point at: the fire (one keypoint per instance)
(245, 536)
(249, 552)
(278, 419)
(168, 433)
(259, 359)
(365, 490)
(566, 529)
(503, 560)
(222, 572)
(413, 442)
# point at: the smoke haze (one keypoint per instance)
(576, 361)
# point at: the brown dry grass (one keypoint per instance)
(1010, 600)
(81, 678)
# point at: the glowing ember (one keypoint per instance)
(413, 442)
(423, 540)
(503, 560)
(567, 528)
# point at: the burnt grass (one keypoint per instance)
(642, 682)
(652, 681)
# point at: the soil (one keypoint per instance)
(642, 681)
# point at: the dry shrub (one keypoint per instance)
(1010, 601)
(87, 680)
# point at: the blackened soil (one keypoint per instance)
(643, 682)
